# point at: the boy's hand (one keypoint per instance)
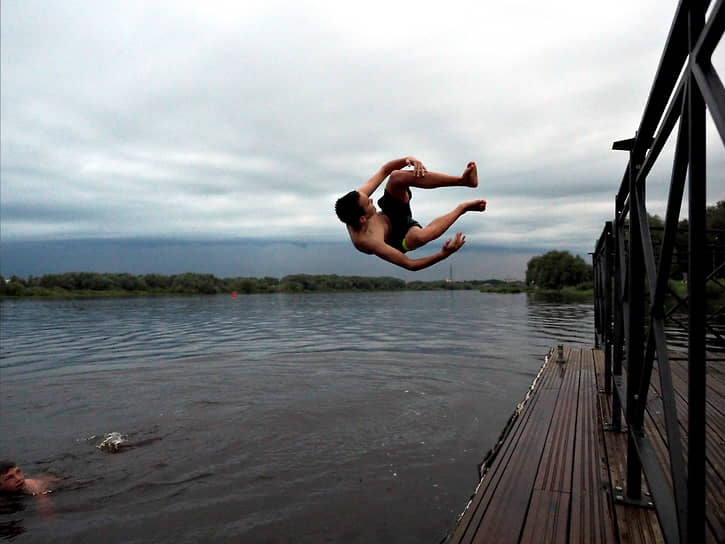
(418, 167)
(451, 247)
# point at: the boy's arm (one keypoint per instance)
(374, 182)
(392, 255)
(40, 483)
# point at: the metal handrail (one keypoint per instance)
(629, 318)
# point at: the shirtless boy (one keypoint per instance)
(392, 232)
(12, 480)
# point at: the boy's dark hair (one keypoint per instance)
(6, 465)
(348, 209)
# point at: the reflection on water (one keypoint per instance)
(561, 323)
(356, 417)
(11, 508)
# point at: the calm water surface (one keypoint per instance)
(356, 417)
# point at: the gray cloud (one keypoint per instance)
(240, 119)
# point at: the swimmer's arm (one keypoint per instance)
(396, 164)
(39, 484)
(396, 257)
(33, 486)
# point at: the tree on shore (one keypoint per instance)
(557, 269)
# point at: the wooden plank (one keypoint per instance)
(514, 457)
(548, 517)
(507, 511)
(555, 471)
(634, 525)
(592, 511)
(549, 507)
(654, 425)
(715, 429)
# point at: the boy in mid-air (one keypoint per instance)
(392, 232)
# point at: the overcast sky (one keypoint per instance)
(231, 119)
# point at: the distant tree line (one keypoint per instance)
(103, 284)
(559, 269)
(183, 284)
(714, 241)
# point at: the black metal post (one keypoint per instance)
(607, 311)
(696, 291)
(597, 281)
(618, 352)
(635, 340)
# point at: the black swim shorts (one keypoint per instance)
(401, 219)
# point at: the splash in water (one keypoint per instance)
(113, 442)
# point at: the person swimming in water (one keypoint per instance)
(12, 480)
(392, 232)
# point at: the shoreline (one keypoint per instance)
(87, 285)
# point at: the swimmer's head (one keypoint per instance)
(348, 209)
(12, 478)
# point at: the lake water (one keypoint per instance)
(350, 417)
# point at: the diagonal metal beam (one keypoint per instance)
(674, 204)
(669, 68)
(674, 111)
(646, 240)
(714, 94)
(653, 471)
(711, 32)
(701, 65)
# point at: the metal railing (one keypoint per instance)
(632, 282)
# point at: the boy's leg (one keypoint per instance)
(400, 180)
(418, 237)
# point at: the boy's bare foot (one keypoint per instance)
(474, 206)
(470, 175)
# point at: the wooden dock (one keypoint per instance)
(556, 476)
